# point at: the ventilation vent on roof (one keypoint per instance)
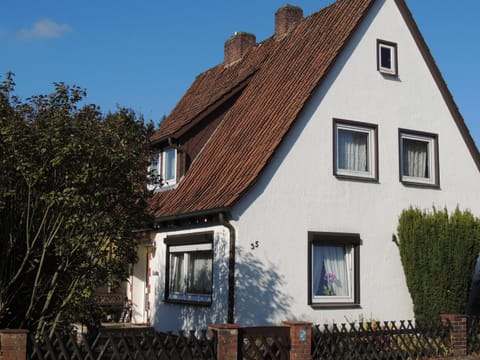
(286, 18)
(237, 46)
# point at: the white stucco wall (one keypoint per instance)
(299, 193)
(174, 317)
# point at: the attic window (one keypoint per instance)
(387, 57)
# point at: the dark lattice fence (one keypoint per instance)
(258, 343)
(370, 340)
(123, 345)
(375, 340)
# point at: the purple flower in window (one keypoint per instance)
(330, 278)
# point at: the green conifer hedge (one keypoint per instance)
(438, 252)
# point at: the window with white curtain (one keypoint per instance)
(333, 269)
(189, 265)
(418, 157)
(355, 149)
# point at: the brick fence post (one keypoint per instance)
(227, 340)
(300, 339)
(459, 332)
(13, 344)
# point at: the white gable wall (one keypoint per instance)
(298, 192)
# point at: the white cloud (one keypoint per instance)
(44, 29)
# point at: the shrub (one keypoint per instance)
(438, 252)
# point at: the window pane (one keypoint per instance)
(154, 165)
(331, 271)
(200, 273)
(169, 157)
(177, 275)
(353, 150)
(415, 158)
(385, 57)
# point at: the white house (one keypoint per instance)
(286, 168)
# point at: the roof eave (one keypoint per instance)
(190, 215)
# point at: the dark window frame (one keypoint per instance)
(435, 161)
(374, 156)
(335, 239)
(394, 57)
(185, 240)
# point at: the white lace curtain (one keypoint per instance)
(328, 261)
(176, 273)
(352, 150)
(415, 158)
(200, 273)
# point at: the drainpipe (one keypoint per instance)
(231, 268)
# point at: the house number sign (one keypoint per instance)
(254, 245)
(302, 335)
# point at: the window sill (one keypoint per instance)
(388, 74)
(357, 178)
(165, 187)
(188, 302)
(335, 306)
(420, 184)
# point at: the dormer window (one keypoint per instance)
(169, 166)
(387, 57)
(163, 168)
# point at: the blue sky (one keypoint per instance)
(145, 54)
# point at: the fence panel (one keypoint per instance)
(375, 340)
(124, 345)
(258, 343)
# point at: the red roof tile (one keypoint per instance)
(211, 86)
(284, 75)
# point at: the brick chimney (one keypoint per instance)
(286, 18)
(237, 46)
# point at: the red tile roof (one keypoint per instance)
(282, 75)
